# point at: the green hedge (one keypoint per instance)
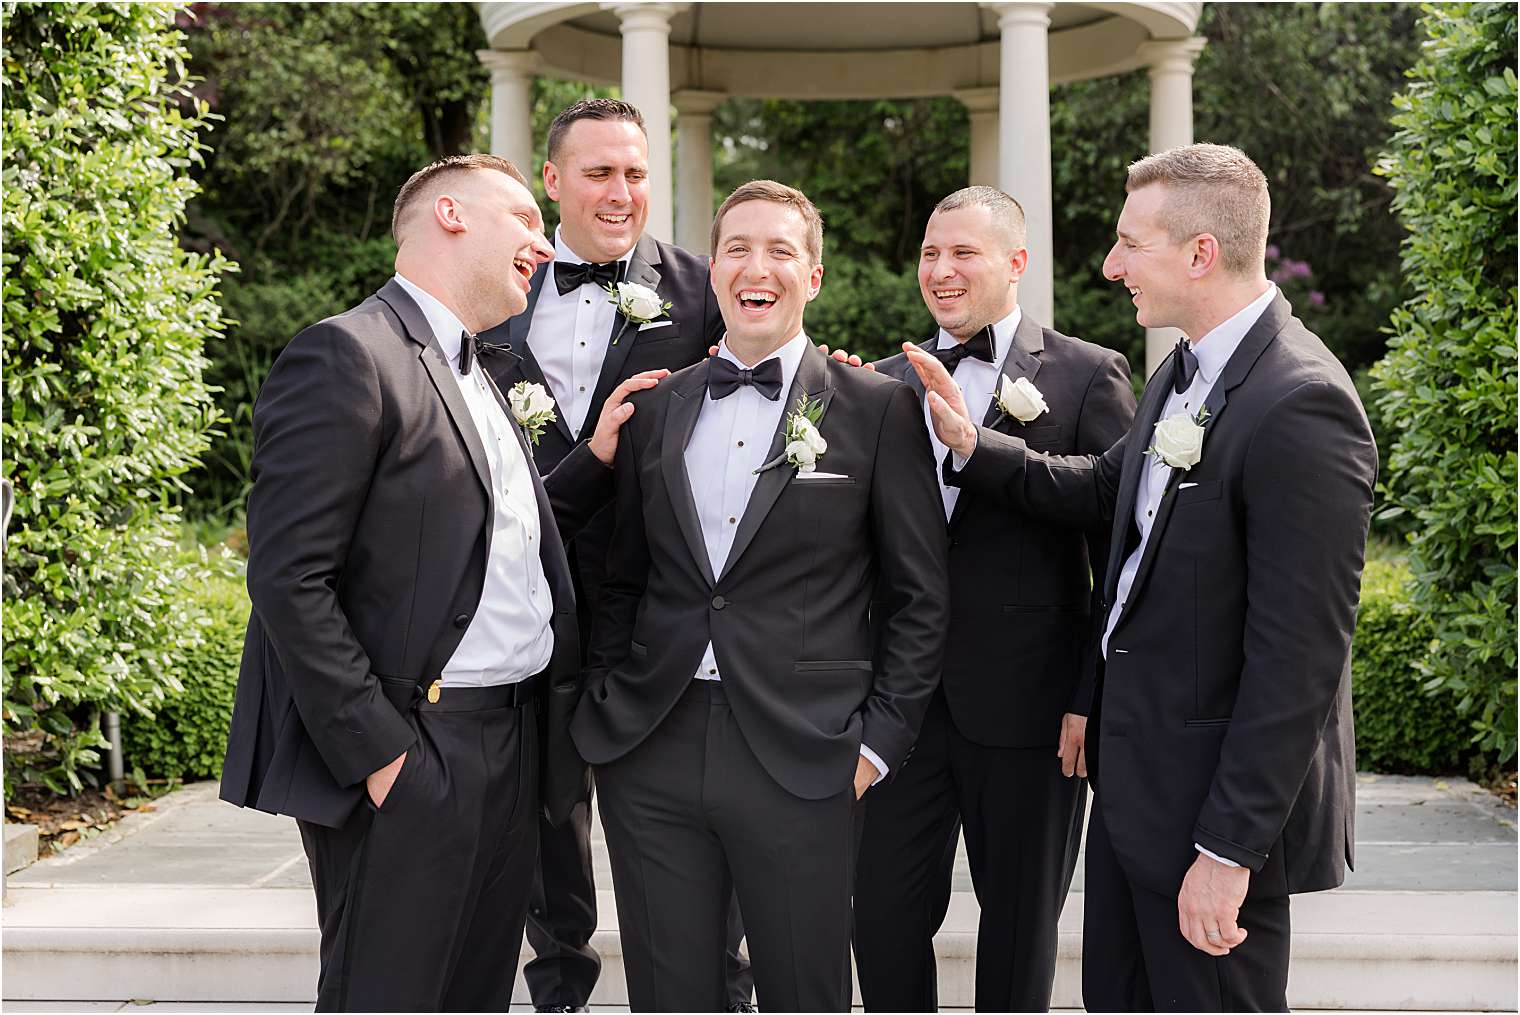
(1447, 388)
(187, 736)
(1400, 727)
(105, 318)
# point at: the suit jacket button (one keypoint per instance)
(462, 621)
(719, 602)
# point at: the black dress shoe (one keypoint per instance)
(559, 1007)
(742, 1006)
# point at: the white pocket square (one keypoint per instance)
(1186, 486)
(821, 475)
(651, 325)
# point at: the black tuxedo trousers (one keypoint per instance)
(1023, 831)
(421, 901)
(692, 820)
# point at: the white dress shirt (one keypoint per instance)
(728, 443)
(1213, 351)
(569, 336)
(511, 636)
(977, 381)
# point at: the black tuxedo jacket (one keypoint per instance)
(681, 279)
(1224, 712)
(787, 615)
(1021, 650)
(369, 526)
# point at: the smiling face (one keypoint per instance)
(1154, 269)
(505, 239)
(763, 275)
(601, 181)
(966, 274)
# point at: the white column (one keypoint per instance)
(982, 104)
(694, 168)
(1024, 141)
(1171, 70)
(512, 104)
(646, 84)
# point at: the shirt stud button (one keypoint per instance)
(741, 444)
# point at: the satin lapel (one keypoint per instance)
(521, 364)
(1023, 360)
(811, 382)
(1235, 371)
(680, 420)
(442, 376)
(910, 377)
(1151, 403)
(643, 268)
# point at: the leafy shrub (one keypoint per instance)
(867, 308)
(1400, 727)
(104, 322)
(1447, 387)
(187, 735)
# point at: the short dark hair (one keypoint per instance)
(591, 109)
(420, 181)
(777, 193)
(1007, 214)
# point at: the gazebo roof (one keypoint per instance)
(833, 50)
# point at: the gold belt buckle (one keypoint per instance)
(435, 691)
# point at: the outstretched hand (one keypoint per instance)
(615, 412)
(947, 406)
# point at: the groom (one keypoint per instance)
(732, 707)
(1221, 749)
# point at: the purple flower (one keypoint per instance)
(1316, 298)
(1273, 253)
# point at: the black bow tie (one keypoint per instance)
(978, 346)
(1184, 365)
(725, 377)
(469, 351)
(569, 277)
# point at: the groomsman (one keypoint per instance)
(412, 610)
(575, 342)
(1019, 660)
(765, 509)
(1223, 764)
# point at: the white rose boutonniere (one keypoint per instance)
(638, 304)
(1019, 399)
(1179, 439)
(532, 408)
(804, 444)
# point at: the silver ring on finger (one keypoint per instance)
(1212, 935)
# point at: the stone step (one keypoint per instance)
(20, 846)
(1434, 951)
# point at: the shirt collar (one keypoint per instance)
(446, 327)
(562, 251)
(789, 354)
(1226, 338)
(1002, 335)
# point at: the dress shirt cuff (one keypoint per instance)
(875, 759)
(1212, 855)
(958, 462)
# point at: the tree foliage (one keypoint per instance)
(1447, 387)
(104, 321)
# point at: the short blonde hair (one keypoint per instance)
(778, 193)
(1215, 189)
(412, 190)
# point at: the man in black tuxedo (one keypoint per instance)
(732, 708)
(1223, 766)
(576, 344)
(413, 621)
(1019, 661)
